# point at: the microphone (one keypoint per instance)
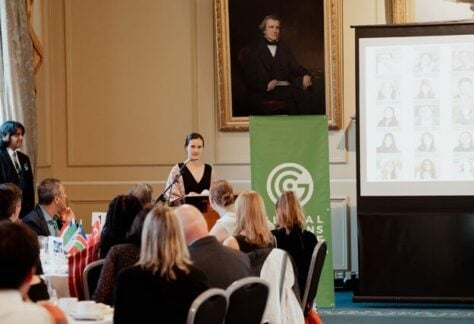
(187, 161)
(184, 164)
(161, 197)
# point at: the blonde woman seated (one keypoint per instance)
(252, 231)
(163, 283)
(221, 199)
(291, 235)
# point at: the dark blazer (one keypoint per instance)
(35, 220)
(222, 265)
(260, 67)
(8, 174)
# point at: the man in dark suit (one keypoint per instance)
(222, 265)
(52, 211)
(15, 166)
(278, 84)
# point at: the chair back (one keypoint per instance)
(91, 277)
(283, 306)
(209, 307)
(314, 274)
(247, 300)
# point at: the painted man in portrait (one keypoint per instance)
(276, 82)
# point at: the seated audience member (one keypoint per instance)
(120, 215)
(119, 257)
(163, 284)
(252, 231)
(52, 211)
(291, 235)
(143, 191)
(222, 265)
(19, 253)
(10, 208)
(10, 202)
(221, 199)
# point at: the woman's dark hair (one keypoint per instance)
(134, 235)
(120, 215)
(8, 129)
(192, 136)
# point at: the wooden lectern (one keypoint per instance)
(201, 202)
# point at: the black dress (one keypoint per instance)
(190, 184)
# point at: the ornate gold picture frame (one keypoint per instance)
(407, 11)
(228, 121)
(400, 11)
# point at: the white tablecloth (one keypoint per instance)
(108, 319)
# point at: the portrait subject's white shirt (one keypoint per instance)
(273, 49)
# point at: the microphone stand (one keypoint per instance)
(161, 197)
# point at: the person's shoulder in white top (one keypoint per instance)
(224, 226)
(16, 311)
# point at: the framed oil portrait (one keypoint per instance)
(308, 45)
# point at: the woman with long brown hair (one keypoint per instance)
(291, 236)
(252, 231)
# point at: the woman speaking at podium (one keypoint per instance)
(193, 176)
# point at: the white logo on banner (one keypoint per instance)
(290, 176)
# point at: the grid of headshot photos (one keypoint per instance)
(420, 111)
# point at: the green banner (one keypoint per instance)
(291, 153)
